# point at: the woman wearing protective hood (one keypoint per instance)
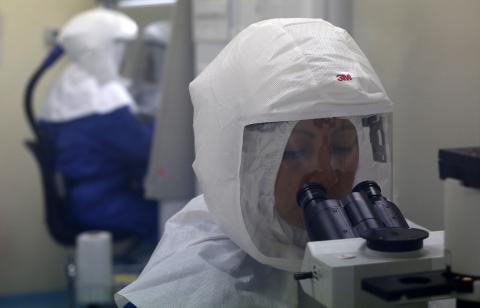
(287, 101)
(100, 148)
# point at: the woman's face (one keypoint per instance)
(323, 151)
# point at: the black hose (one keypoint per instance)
(52, 57)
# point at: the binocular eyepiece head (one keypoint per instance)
(362, 213)
(316, 191)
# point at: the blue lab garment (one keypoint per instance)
(103, 158)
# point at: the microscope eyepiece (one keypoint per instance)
(325, 218)
(369, 188)
(309, 192)
(386, 211)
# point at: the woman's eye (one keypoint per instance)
(291, 154)
(341, 150)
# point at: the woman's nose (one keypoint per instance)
(325, 176)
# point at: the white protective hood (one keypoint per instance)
(94, 40)
(76, 94)
(91, 82)
(273, 71)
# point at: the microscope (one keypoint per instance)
(363, 253)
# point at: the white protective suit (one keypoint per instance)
(100, 148)
(94, 42)
(229, 247)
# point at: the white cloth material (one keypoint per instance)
(197, 265)
(76, 94)
(94, 40)
(280, 70)
(275, 70)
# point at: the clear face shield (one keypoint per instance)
(148, 76)
(124, 57)
(107, 63)
(278, 158)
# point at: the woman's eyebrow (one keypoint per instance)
(344, 128)
(305, 133)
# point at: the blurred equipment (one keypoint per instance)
(94, 271)
(170, 177)
(460, 170)
(52, 181)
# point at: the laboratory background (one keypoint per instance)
(426, 53)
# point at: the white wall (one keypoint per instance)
(29, 260)
(427, 53)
